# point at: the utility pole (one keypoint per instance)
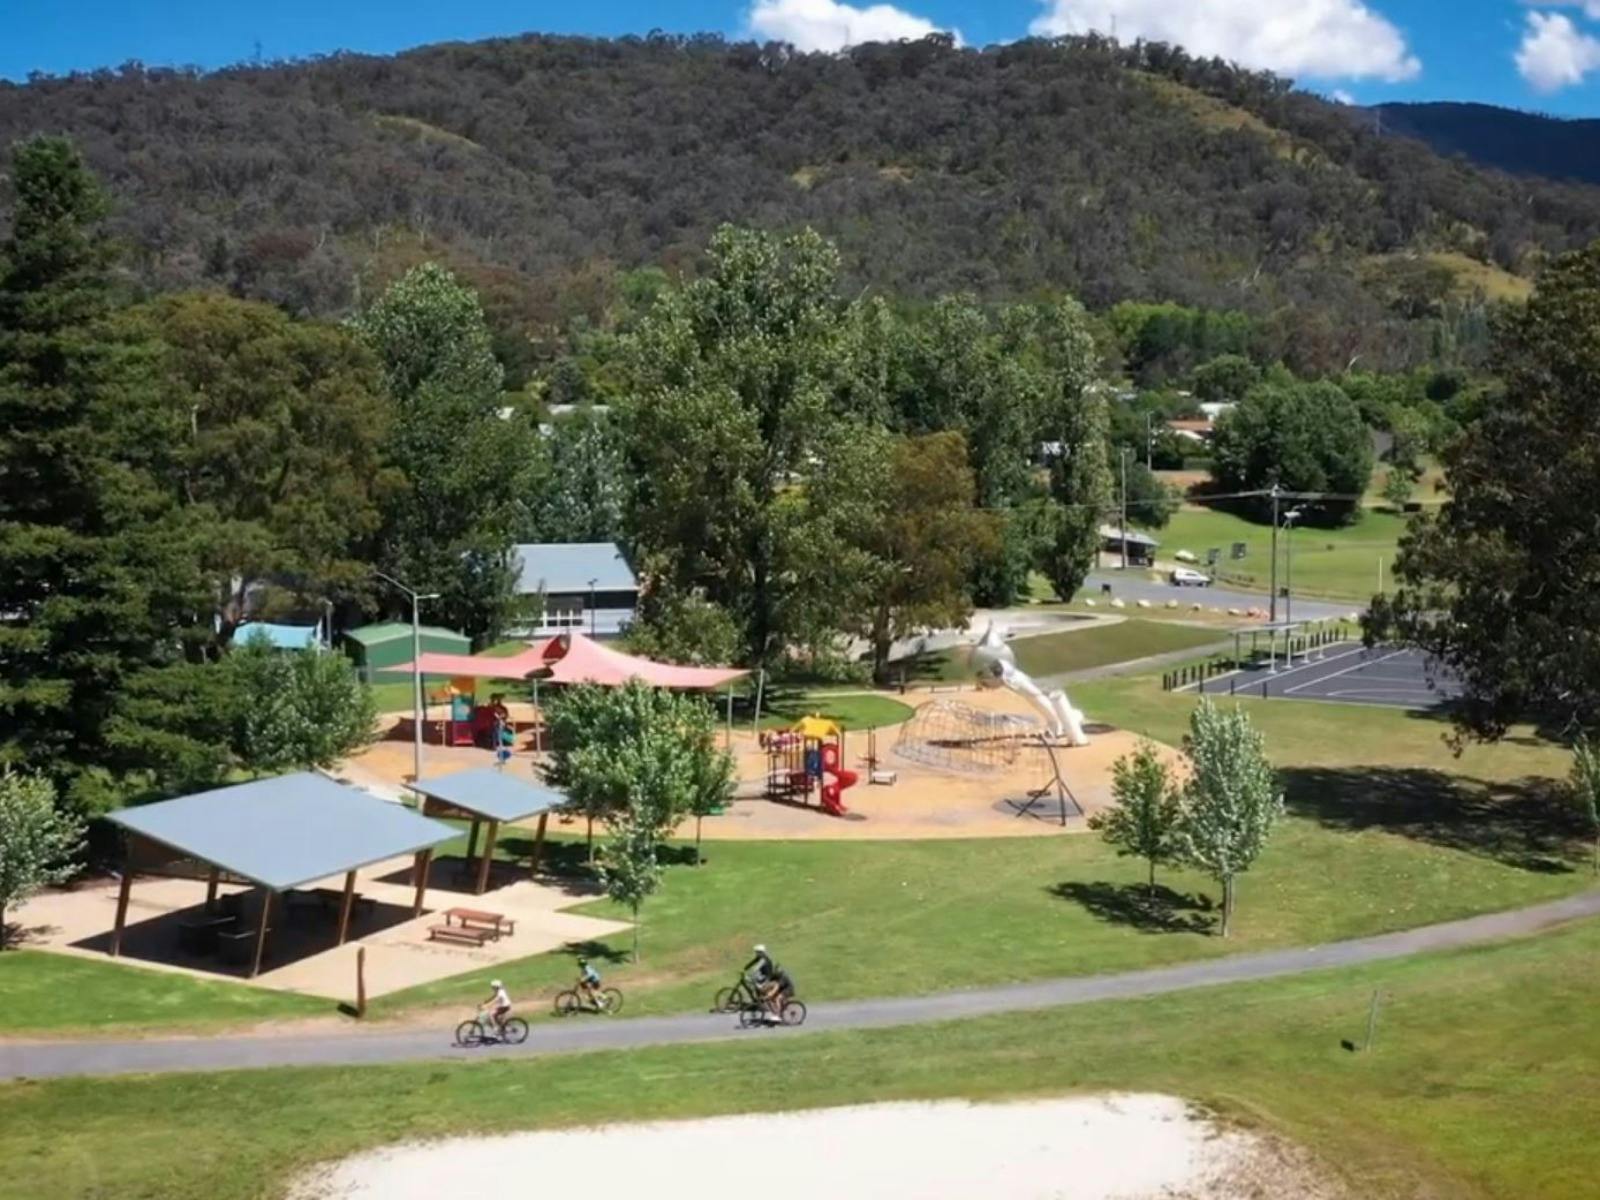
(1124, 537)
(1149, 443)
(416, 669)
(1272, 606)
(1289, 518)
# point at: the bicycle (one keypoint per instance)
(792, 1013)
(481, 1030)
(732, 999)
(608, 1003)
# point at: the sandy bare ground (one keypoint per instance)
(1123, 1146)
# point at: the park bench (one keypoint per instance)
(199, 936)
(493, 923)
(459, 933)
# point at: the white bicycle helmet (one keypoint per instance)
(760, 949)
(495, 983)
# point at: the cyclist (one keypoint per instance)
(589, 984)
(773, 985)
(499, 1005)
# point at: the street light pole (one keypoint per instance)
(1272, 601)
(1289, 518)
(416, 669)
(1124, 537)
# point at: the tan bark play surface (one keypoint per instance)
(922, 802)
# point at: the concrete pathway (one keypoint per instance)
(43, 1060)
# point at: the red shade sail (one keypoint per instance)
(574, 658)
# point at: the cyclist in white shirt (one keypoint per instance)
(499, 1005)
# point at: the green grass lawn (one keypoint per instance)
(1386, 830)
(853, 710)
(1479, 1085)
(1074, 649)
(1340, 564)
(54, 994)
(396, 695)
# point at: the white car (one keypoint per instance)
(1186, 556)
(1186, 577)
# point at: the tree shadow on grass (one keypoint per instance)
(595, 952)
(1525, 824)
(1160, 911)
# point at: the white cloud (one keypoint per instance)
(828, 25)
(1340, 96)
(1555, 53)
(1591, 8)
(1327, 39)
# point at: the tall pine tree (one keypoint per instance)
(94, 578)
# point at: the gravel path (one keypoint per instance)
(50, 1059)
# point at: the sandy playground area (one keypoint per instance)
(1127, 1147)
(922, 802)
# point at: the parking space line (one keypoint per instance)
(1337, 674)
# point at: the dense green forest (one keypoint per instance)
(1524, 143)
(543, 170)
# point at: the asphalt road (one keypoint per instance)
(1135, 586)
(40, 1060)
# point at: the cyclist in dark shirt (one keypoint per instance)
(773, 985)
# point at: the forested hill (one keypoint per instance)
(540, 167)
(1520, 142)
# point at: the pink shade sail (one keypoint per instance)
(587, 661)
(574, 658)
(482, 666)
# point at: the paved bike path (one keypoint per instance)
(52, 1059)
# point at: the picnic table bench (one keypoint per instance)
(472, 925)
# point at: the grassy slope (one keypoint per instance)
(1479, 1087)
(853, 711)
(53, 993)
(1340, 564)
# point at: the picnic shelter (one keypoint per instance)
(279, 834)
(492, 796)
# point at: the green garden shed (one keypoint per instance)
(377, 648)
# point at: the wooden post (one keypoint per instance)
(349, 903)
(122, 910)
(727, 742)
(261, 932)
(538, 842)
(472, 843)
(423, 861)
(361, 981)
(487, 859)
(211, 888)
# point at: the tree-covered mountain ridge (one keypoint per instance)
(544, 168)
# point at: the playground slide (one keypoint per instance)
(841, 778)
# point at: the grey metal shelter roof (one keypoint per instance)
(567, 567)
(286, 831)
(493, 793)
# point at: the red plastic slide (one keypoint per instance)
(842, 778)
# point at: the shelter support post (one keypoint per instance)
(487, 858)
(346, 905)
(472, 842)
(419, 872)
(261, 931)
(538, 841)
(212, 880)
(122, 910)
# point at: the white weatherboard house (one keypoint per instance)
(587, 586)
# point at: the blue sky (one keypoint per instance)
(1538, 55)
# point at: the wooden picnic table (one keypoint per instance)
(494, 923)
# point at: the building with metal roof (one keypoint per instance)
(587, 586)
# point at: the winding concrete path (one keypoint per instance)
(51, 1059)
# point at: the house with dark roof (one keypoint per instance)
(587, 586)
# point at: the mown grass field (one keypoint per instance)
(1387, 829)
(1479, 1085)
(1339, 564)
(1075, 649)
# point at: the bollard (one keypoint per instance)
(1232, 679)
